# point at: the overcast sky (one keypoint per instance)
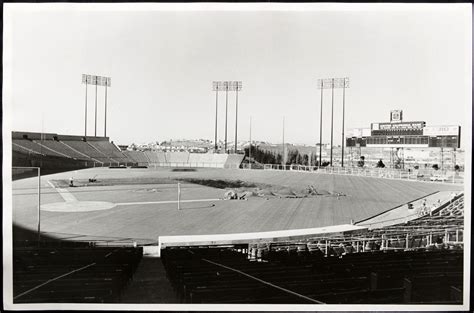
(162, 65)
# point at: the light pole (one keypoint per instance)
(284, 155)
(332, 118)
(250, 148)
(215, 87)
(227, 86)
(97, 81)
(332, 83)
(345, 84)
(85, 81)
(321, 125)
(95, 126)
(107, 83)
(237, 86)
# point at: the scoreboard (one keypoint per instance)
(399, 134)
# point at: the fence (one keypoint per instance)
(194, 164)
(413, 175)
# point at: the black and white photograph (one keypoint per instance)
(237, 157)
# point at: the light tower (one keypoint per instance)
(97, 81)
(332, 83)
(226, 86)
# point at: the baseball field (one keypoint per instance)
(141, 204)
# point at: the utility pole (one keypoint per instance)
(332, 120)
(250, 148)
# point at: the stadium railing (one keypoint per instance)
(194, 164)
(450, 177)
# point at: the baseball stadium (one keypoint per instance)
(96, 224)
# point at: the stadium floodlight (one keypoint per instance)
(237, 86)
(215, 87)
(332, 83)
(250, 140)
(96, 80)
(226, 86)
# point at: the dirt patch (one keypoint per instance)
(184, 170)
(64, 183)
(237, 189)
(218, 183)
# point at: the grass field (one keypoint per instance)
(139, 209)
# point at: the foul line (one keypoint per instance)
(266, 283)
(64, 193)
(170, 201)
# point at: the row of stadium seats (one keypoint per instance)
(187, 159)
(214, 275)
(94, 274)
(95, 152)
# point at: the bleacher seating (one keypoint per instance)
(177, 157)
(152, 157)
(87, 149)
(137, 156)
(110, 150)
(64, 149)
(161, 156)
(219, 159)
(21, 149)
(234, 160)
(96, 274)
(200, 159)
(375, 277)
(186, 159)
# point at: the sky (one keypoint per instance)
(162, 63)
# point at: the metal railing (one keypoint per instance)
(439, 176)
(195, 164)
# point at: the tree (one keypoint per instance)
(305, 159)
(380, 164)
(314, 159)
(299, 159)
